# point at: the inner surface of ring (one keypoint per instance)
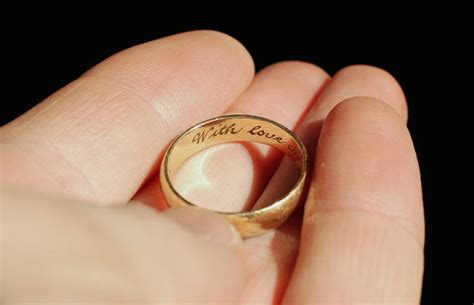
(231, 129)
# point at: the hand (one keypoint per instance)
(96, 143)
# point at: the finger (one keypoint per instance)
(361, 80)
(357, 80)
(99, 137)
(362, 238)
(56, 251)
(230, 177)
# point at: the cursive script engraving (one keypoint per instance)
(258, 131)
(215, 131)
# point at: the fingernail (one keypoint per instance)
(206, 224)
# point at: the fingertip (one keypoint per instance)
(374, 114)
(381, 84)
(299, 70)
(202, 52)
(225, 41)
(284, 91)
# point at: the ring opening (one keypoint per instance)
(234, 129)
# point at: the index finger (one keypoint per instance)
(99, 137)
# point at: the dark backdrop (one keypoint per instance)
(51, 50)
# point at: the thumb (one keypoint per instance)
(67, 252)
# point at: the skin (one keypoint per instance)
(83, 216)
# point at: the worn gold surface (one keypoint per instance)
(238, 128)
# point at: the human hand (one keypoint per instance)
(71, 165)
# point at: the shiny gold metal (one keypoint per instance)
(238, 128)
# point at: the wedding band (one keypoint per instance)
(238, 128)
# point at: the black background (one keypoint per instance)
(426, 56)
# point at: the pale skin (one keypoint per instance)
(83, 217)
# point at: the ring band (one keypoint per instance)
(238, 128)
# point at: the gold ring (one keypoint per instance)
(238, 128)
